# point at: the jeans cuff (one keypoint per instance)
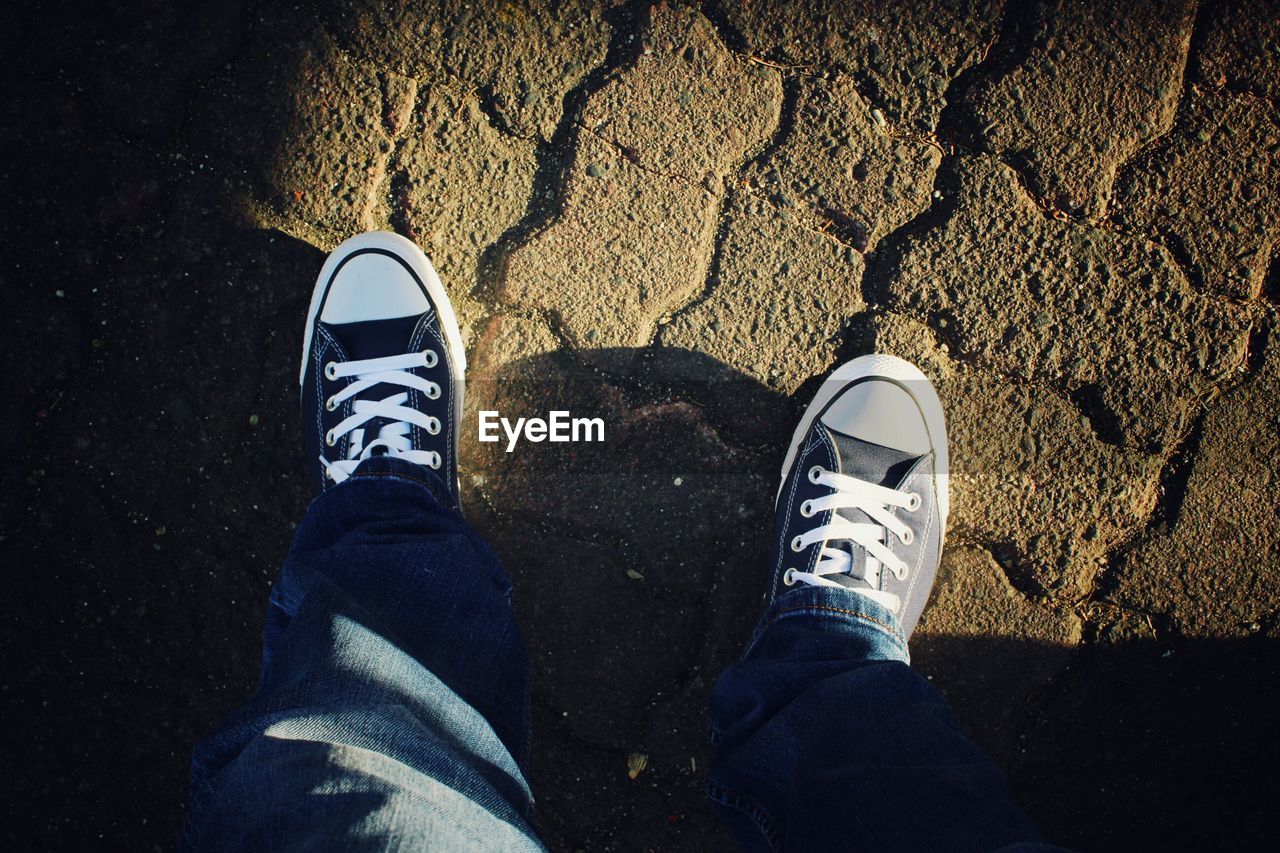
(391, 467)
(848, 612)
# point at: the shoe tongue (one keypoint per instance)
(374, 338)
(883, 466)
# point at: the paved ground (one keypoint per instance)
(677, 219)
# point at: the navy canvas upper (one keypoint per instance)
(374, 339)
(832, 450)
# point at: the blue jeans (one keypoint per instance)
(393, 708)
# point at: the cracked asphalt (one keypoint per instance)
(677, 218)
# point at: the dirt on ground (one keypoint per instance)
(677, 218)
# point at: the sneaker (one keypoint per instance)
(382, 362)
(863, 500)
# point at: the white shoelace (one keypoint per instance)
(852, 493)
(393, 437)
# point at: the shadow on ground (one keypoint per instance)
(146, 613)
(639, 566)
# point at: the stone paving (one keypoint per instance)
(677, 218)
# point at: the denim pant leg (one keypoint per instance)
(393, 708)
(823, 738)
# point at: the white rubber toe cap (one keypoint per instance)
(372, 286)
(882, 413)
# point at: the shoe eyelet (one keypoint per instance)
(329, 438)
(806, 509)
(433, 391)
(433, 426)
(797, 544)
(814, 473)
(435, 460)
(330, 404)
(913, 502)
(429, 358)
(908, 537)
(331, 370)
(789, 577)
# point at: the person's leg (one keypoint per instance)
(824, 738)
(393, 708)
(822, 735)
(394, 689)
